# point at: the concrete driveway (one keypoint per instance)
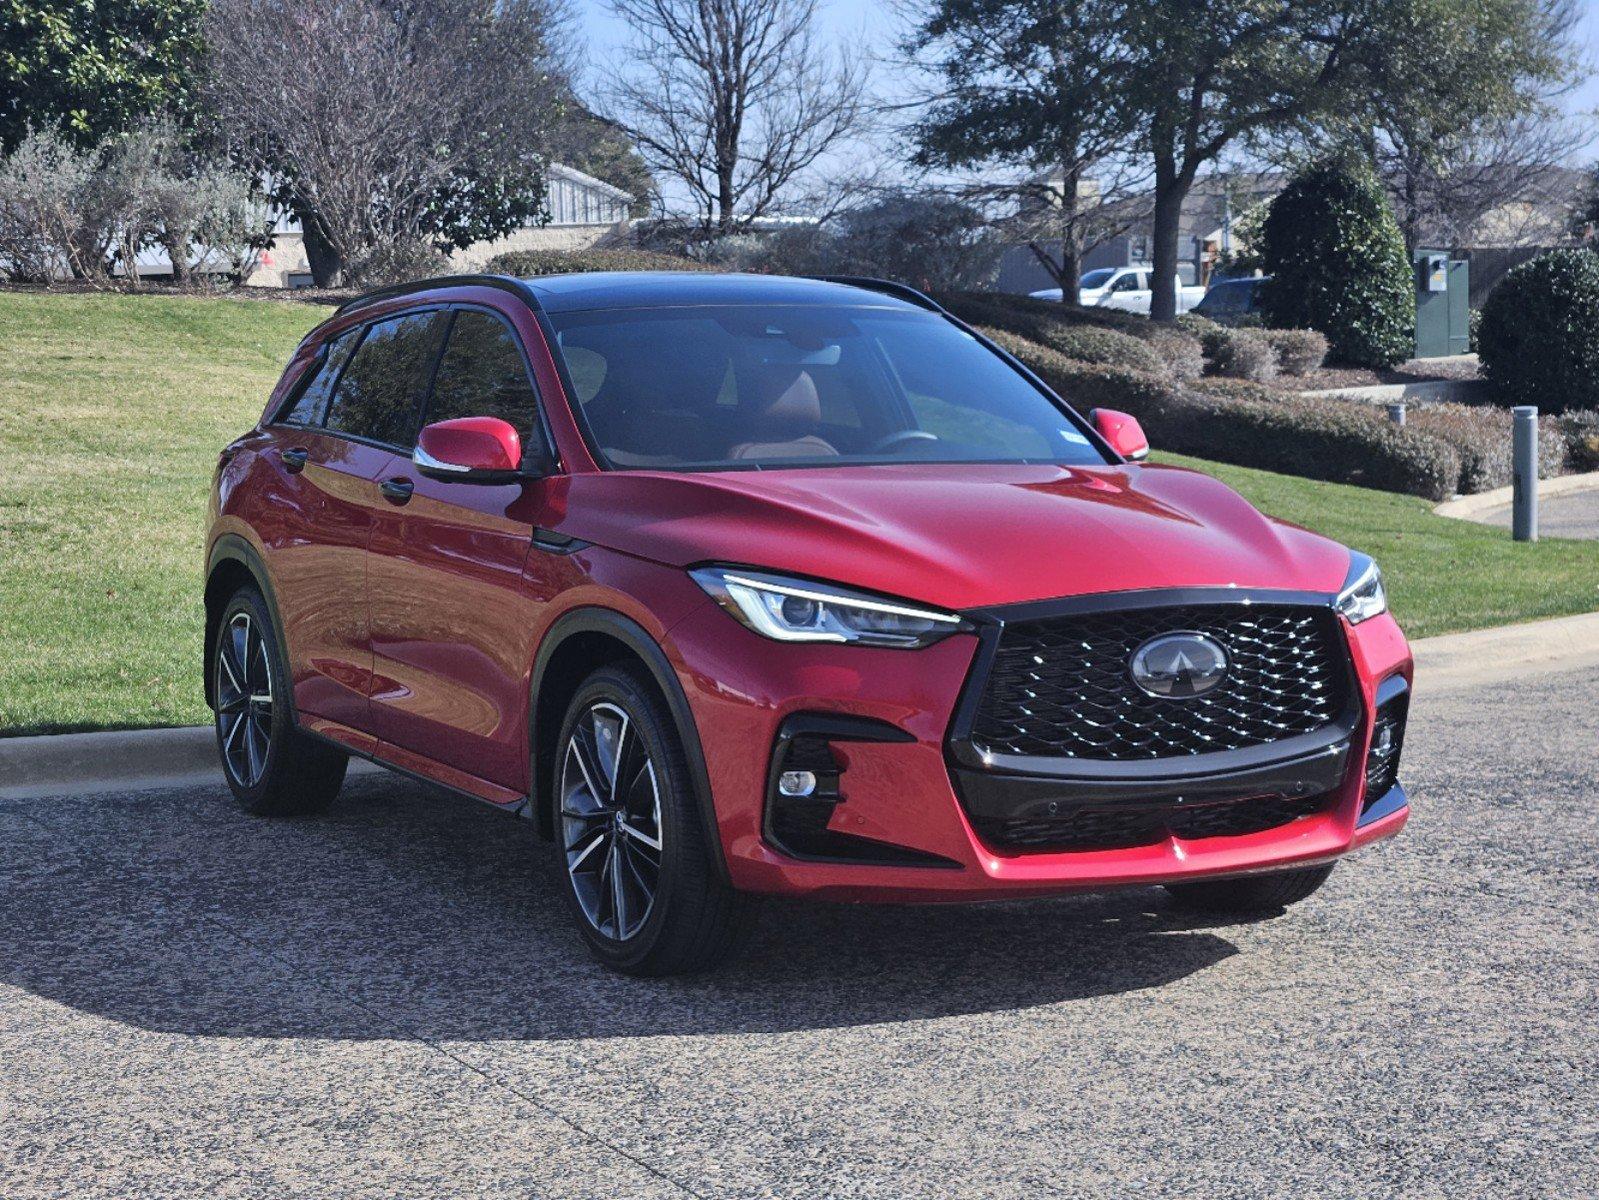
(387, 1002)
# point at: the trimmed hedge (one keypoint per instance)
(1245, 354)
(1539, 333)
(528, 263)
(1079, 332)
(1484, 439)
(1299, 351)
(1251, 426)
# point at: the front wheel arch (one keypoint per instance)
(580, 642)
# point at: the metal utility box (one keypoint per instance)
(1443, 310)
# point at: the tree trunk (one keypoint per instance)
(327, 265)
(1171, 189)
(1071, 255)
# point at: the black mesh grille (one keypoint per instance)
(1113, 828)
(1061, 687)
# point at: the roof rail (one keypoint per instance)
(888, 287)
(506, 283)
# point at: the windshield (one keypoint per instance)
(722, 387)
(1096, 279)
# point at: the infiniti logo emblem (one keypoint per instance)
(1176, 666)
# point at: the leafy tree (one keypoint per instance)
(1208, 75)
(1339, 264)
(1030, 83)
(93, 68)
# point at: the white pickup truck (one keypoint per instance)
(1126, 288)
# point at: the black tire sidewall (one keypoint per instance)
(248, 600)
(679, 834)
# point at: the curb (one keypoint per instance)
(1468, 508)
(129, 760)
(144, 759)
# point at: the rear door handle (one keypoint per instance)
(398, 490)
(294, 459)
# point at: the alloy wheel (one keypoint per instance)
(611, 821)
(244, 700)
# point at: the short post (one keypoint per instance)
(1396, 413)
(1524, 524)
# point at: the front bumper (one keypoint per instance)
(910, 791)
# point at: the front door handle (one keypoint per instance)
(399, 490)
(294, 459)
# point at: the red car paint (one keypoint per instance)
(414, 627)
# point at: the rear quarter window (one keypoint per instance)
(310, 405)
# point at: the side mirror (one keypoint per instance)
(1123, 432)
(469, 450)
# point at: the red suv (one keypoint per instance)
(739, 584)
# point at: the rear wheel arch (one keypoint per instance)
(233, 563)
(580, 642)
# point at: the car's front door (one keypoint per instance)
(452, 623)
(328, 450)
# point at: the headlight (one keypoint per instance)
(1362, 596)
(797, 610)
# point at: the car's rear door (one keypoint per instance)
(453, 624)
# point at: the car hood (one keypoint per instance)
(958, 536)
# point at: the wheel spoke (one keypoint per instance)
(611, 826)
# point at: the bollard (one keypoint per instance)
(1396, 413)
(1524, 522)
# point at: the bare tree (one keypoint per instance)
(733, 99)
(379, 124)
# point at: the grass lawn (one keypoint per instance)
(114, 408)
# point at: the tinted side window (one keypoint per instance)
(312, 404)
(379, 394)
(481, 375)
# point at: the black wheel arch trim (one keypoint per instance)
(231, 547)
(608, 621)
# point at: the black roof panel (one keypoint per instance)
(660, 289)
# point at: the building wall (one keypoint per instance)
(548, 237)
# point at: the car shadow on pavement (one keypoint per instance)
(404, 914)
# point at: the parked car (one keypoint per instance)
(1232, 301)
(1125, 288)
(737, 585)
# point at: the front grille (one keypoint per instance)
(1123, 826)
(1060, 686)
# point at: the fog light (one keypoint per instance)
(796, 783)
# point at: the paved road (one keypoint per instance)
(1571, 515)
(387, 1002)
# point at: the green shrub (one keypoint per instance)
(1088, 343)
(1580, 429)
(1245, 354)
(1539, 334)
(1339, 265)
(528, 263)
(1299, 351)
(1252, 426)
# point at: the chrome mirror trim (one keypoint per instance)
(426, 462)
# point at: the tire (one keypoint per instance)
(1251, 894)
(635, 859)
(272, 768)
